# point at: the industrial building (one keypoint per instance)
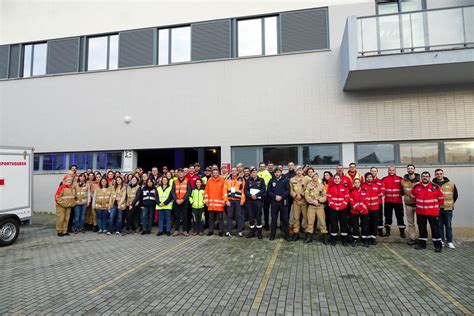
(139, 83)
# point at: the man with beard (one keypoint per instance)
(409, 181)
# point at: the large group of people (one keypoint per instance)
(348, 207)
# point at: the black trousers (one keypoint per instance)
(279, 208)
(389, 208)
(290, 203)
(373, 222)
(362, 221)
(422, 221)
(180, 216)
(189, 217)
(266, 210)
(338, 220)
(213, 215)
(197, 218)
(328, 220)
(131, 215)
(255, 213)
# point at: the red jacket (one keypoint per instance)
(192, 179)
(345, 181)
(338, 197)
(373, 194)
(382, 189)
(427, 199)
(393, 189)
(359, 201)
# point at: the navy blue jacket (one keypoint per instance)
(279, 187)
(258, 184)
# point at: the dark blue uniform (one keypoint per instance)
(255, 206)
(281, 187)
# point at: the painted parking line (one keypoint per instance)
(123, 275)
(266, 277)
(448, 296)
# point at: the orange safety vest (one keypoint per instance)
(214, 194)
(180, 188)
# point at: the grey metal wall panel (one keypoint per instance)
(136, 48)
(211, 40)
(304, 30)
(63, 56)
(4, 61)
(13, 71)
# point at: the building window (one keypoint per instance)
(36, 162)
(459, 152)
(246, 155)
(83, 161)
(322, 154)
(257, 37)
(375, 153)
(34, 59)
(109, 160)
(174, 45)
(280, 155)
(54, 162)
(102, 52)
(419, 153)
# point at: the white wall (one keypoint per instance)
(31, 20)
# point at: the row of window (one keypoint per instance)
(253, 37)
(422, 153)
(55, 162)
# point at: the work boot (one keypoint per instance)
(420, 245)
(366, 243)
(324, 238)
(354, 243)
(251, 233)
(380, 232)
(387, 231)
(344, 241)
(287, 236)
(438, 245)
(402, 233)
(411, 242)
(332, 240)
(259, 233)
(373, 241)
(296, 236)
(176, 233)
(308, 238)
(272, 237)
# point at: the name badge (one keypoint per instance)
(232, 190)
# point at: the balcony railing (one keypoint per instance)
(417, 31)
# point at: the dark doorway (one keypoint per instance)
(178, 157)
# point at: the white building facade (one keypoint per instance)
(165, 83)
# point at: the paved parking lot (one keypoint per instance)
(91, 274)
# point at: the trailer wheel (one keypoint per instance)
(9, 231)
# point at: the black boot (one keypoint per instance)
(402, 233)
(344, 241)
(387, 231)
(251, 233)
(354, 242)
(324, 238)
(438, 246)
(373, 241)
(287, 236)
(380, 232)
(272, 236)
(366, 243)
(420, 245)
(308, 238)
(296, 236)
(259, 233)
(332, 240)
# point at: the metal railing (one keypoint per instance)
(407, 32)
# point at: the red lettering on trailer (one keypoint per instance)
(2, 181)
(12, 163)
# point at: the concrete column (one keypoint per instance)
(348, 155)
(201, 155)
(225, 154)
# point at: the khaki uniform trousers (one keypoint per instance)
(299, 207)
(313, 212)
(62, 218)
(411, 228)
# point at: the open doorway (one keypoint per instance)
(178, 157)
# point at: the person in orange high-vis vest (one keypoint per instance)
(234, 197)
(214, 199)
(180, 191)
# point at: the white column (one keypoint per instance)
(348, 154)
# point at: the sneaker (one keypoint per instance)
(117, 233)
(241, 235)
(100, 231)
(442, 244)
(186, 234)
(451, 245)
(108, 234)
(228, 234)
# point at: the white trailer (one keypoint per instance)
(16, 191)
